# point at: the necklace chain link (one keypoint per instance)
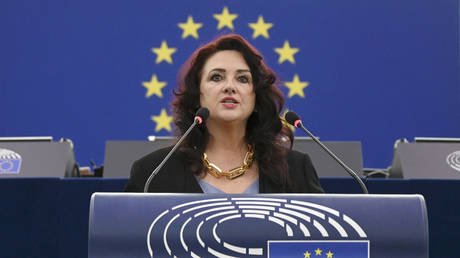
(217, 172)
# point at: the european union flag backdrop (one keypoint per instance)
(318, 249)
(92, 71)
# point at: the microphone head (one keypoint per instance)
(292, 118)
(201, 115)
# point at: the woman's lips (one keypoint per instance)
(229, 102)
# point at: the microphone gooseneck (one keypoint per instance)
(294, 120)
(200, 116)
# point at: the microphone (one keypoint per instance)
(293, 119)
(200, 116)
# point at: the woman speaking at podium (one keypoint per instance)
(240, 147)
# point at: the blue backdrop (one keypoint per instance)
(92, 71)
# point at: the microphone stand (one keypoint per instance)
(202, 114)
(347, 168)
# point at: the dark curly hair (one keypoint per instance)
(264, 127)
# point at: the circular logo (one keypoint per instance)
(10, 162)
(214, 227)
(453, 160)
(5, 165)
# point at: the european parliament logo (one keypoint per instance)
(453, 160)
(10, 162)
(256, 227)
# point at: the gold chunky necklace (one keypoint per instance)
(232, 173)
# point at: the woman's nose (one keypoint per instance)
(229, 87)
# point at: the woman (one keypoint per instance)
(239, 149)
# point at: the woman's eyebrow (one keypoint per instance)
(243, 71)
(217, 70)
(222, 70)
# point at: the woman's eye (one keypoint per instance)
(244, 79)
(216, 77)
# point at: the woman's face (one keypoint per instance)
(226, 87)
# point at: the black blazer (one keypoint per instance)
(175, 177)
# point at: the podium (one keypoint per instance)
(263, 225)
(30, 158)
(432, 160)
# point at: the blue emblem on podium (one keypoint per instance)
(10, 162)
(319, 249)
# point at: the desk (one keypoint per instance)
(48, 217)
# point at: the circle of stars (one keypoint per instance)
(225, 19)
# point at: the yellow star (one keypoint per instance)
(154, 87)
(225, 19)
(260, 28)
(318, 251)
(296, 86)
(306, 254)
(190, 28)
(164, 53)
(329, 254)
(163, 121)
(286, 53)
